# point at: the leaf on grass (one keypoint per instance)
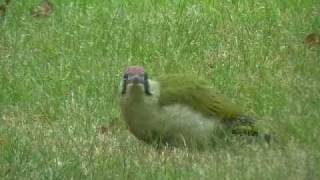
(104, 129)
(43, 10)
(312, 39)
(3, 9)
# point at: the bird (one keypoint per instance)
(178, 110)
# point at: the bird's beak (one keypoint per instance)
(136, 79)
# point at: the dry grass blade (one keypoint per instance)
(3, 10)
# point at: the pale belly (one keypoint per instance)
(173, 125)
(188, 128)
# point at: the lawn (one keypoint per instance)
(59, 78)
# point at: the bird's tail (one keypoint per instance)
(246, 125)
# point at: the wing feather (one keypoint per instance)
(198, 95)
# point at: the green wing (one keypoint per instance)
(196, 94)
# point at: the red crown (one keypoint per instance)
(135, 70)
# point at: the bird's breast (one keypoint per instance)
(176, 123)
(142, 117)
(182, 118)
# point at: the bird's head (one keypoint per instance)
(135, 79)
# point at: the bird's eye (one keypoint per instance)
(145, 76)
(146, 85)
(125, 77)
(124, 84)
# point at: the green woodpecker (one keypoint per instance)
(178, 110)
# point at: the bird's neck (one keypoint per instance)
(136, 94)
(141, 111)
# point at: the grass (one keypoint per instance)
(59, 114)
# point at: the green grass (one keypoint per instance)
(59, 113)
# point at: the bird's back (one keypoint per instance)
(196, 94)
